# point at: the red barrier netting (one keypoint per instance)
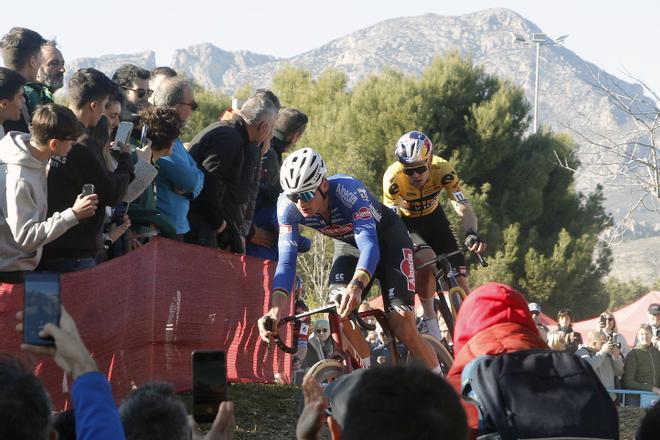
(143, 314)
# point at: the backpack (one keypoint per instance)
(539, 394)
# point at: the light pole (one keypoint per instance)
(539, 40)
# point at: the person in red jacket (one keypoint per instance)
(494, 319)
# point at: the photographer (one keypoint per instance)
(573, 339)
(604, 356)
(608, 328)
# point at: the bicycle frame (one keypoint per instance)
(343, 351)
(445, 276)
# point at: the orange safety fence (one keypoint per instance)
(143, 314)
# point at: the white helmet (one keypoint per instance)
(302, 171)
(413, 147)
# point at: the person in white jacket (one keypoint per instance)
(24, 228)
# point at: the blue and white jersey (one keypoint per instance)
(356, 218)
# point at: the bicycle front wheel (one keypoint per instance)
(441, 353)
(326, 370)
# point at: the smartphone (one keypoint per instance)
(123, 134)
(209, 374)
(144, 134)
(88, 189)
(41, 305)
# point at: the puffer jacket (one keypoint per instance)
(494, 319)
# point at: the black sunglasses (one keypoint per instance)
(418, 170)
(140, 92)
(193, 105)
(305, 196)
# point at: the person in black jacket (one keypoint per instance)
(78, 247)
(229, 154)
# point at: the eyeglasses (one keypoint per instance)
(140, 92)
(322, 330)
(305, 196)
(193, 105)
(416, 170)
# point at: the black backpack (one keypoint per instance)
(536, 394)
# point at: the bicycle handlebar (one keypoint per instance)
(268, 325)
(441, 257)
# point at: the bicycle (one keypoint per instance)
(344, 358)
(445, 281)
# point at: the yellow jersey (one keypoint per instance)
(398, 193)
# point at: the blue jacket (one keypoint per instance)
(178, 171)
(97, 417)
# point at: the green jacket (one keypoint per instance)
(641, 370)
(36, 94)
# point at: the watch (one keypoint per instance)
(357, 283)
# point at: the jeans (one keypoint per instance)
(64, 265)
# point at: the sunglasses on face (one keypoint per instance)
(608, 318)
(305, 196)
(140, 92)
(193, 105)
(416, 170)
(322, 330)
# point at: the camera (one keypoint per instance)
(603, 321)
(611, 340)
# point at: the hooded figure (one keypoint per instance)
(24, 225)
(494, 319)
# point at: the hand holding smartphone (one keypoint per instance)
(123, 135)
(209, 384)
(41, 305)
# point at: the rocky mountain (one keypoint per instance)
(567, 98)
(109, 63)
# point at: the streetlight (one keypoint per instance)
(540, 40)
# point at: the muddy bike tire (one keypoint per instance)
(326, 370)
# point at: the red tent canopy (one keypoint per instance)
(628, 318)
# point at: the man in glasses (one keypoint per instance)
(340, 207)
(412, 187)
(133, 82)
(179, 180)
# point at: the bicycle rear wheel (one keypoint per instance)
(326, 370)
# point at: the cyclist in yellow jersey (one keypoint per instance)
(412, 187)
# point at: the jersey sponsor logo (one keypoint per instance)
(363, 193)
(362, 214)
(286, 229)
(348, 197)
(460, 198)
(374, 212)
(447, 178)
(393, 189)
(390, 293)
(407, 268)
(337, 230)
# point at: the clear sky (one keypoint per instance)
(620, 36)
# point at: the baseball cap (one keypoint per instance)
(654, 309)
(339, 392)
(534, 308)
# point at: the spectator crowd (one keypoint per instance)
(74, 195)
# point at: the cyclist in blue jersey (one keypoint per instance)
(341, 208)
